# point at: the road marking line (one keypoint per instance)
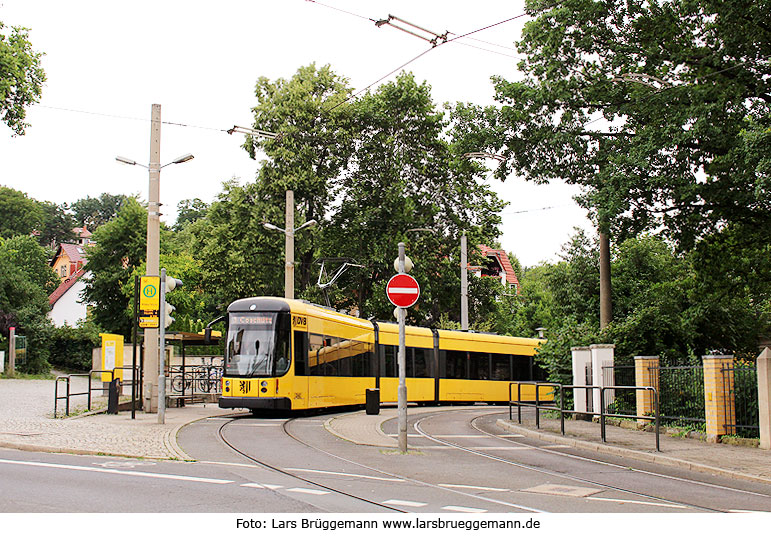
(463, 436)
(265, 486)
(464, 509)
(231, 464)
(309, 491)
(119, 472)
(510, 435)
(343, 474)
(472, 487)
(399, 502)
(624, 501)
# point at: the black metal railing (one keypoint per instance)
(740, 382)
(681, 394)
(68, 394)
(624, 401)
(557, 391)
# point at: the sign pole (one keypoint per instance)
(402, 360)
(162, 352)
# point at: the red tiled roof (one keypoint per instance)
(503, 259)
(82, 232)
(75, 252)
(65, 286)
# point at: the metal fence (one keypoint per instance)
(681, 394)
(741, 388)
(621, 401)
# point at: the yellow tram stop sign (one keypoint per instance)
(149, 301)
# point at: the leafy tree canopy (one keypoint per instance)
(659, 109)
(21, 77)
(95, 211)
(21, 214)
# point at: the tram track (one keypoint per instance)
(419, 427)
(285, 472)
(271, 467)
(556, 474)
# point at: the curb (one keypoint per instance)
(628, 453)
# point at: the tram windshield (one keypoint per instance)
(258, 344)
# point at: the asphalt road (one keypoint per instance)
(459, 462)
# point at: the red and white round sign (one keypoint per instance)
(403, 290)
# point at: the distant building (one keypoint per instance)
(69, 258)
(83, 235)
(66, 304)
(497, 265)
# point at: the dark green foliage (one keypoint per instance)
(120, 247)
(21, 77)
(93, 212)
(71, 348)
(21, 215)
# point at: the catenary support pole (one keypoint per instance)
(289, 245)
(153, 252)
(464, 282)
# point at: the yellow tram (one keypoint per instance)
(292, 355)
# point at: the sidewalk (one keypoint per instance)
(27, 423)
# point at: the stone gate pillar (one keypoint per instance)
(646, 374)
(719, 395)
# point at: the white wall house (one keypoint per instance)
(67, 306)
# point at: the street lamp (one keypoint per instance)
(289, 233)
(153, 241)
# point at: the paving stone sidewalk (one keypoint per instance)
(26, 422)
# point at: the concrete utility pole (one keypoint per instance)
(153, 255)
(402, 361)
(289, 245)
(463, 283)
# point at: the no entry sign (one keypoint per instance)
(403, 290)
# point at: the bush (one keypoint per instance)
(71, 347)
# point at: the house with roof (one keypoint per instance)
(69, 258)
(83, 235)
(67, 306)
(497, 265)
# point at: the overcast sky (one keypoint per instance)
(108, 62)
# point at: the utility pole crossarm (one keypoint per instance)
(253, 132)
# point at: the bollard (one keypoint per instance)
(112, 397)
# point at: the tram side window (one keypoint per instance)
(390, 366)
(420, 360)
(300, 353)
(479, 366)
(521, 368)
(455, 365)
(501, 369)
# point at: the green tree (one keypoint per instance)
(57, 225)
(95, 211)
(120, 248)
(314, 144)
(21, 77)
(24, 279)
(405, 175)
(25, 253)
(21, 215)
(190, 210)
